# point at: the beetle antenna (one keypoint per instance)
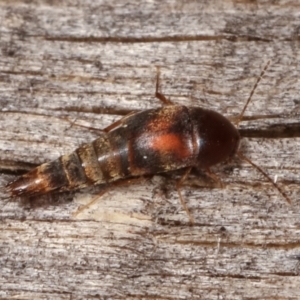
(243, 157)
(252, 92)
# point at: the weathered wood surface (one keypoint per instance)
(93, 61)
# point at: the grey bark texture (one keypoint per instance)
(68, 65)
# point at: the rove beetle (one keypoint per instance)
(147, 142)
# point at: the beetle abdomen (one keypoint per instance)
(78, 169)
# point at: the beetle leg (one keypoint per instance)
(117, 123)
(106, 129)
(214, 177)
(178, 186)
(243, 157)
(72, 123)
(106, 189)
(158, 95)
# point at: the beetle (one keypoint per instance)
(147, 142)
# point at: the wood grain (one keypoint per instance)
(91, 62)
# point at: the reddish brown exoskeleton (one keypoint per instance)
(148, 142)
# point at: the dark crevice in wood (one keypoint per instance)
(150, 39)
(18, 168)
(274, 131)
(97, 110)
